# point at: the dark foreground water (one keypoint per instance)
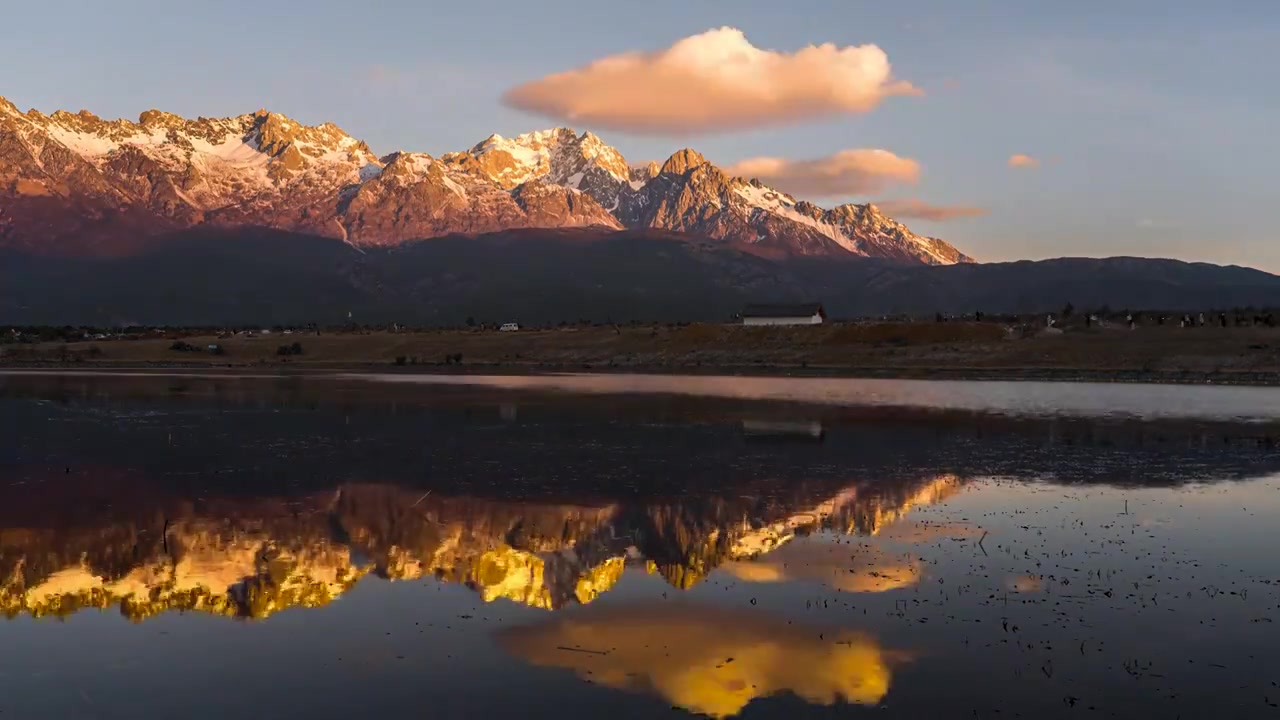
(192, 547)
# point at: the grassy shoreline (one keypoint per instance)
(1270, 379)
(1241, 356)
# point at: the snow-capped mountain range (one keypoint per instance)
(73, 183)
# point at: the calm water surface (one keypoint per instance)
(458, 547)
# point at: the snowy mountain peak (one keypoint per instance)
(681, 160)
(450, 173)
(864, 214)
(160, 118)
(274, 133)
(858, 229)
(641, 174)
(530, 141)
(556, 155)
(185, 168)
(266, 169)
(549, 135)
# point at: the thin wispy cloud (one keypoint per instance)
(715, 81)
(921, 210)
(848, 172)
(1023, 161)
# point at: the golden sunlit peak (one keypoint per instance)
(882, 512)
(533, 580)
(250, 572)
(599, 580)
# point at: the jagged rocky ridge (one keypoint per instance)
(76, 184)
(250, 559)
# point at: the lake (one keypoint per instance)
(317, 546)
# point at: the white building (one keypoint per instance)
(807, 314)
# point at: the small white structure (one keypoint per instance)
(509, 327)
(806, 314)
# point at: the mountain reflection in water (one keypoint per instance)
(256, 557)
(469, 549)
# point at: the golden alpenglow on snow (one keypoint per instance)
(230, 572)
(579, 360)
(547, 556)
(709, 660)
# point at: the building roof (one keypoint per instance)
(784, 311)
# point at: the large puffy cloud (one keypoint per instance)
(710, 660)
(848, 172)
(714, 81)
(1023, 161)
(919, 209)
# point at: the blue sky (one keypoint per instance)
(1155, 123)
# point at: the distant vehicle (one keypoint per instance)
(509, 327)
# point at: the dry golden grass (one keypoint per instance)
(835, 347)
(901, 334)
(916, 333)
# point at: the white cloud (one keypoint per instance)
(847, 172)
(713, 661)
(1023, 161)
(712, 82)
